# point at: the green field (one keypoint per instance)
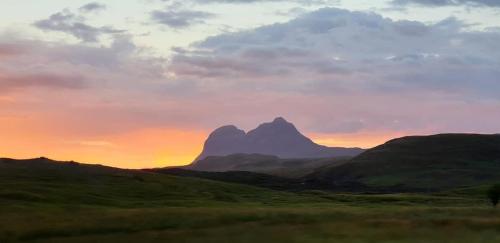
(392, 219)
(48, 202)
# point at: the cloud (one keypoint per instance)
(236, 1)
(117, 83)
(70, 23)
(8, 50)
(178, 19)
(338, 50)
(303, 2)
(92, 143)
(482, 3)
(11, 81)
(350, 59)
(92, 7)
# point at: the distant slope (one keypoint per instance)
(267, 164)
(46, 181)
(240, 177)
(279, 138)
(422, 163)
(236, 162)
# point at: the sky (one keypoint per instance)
(141, 83)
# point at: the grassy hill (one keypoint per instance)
(46, 181)
(422, 163)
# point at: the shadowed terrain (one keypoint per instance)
(267, 164)
(431, 163)
(240, 177)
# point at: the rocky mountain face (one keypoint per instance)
(279, 138)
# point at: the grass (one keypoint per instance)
(313, 216)
(77, 203)
(237, 223)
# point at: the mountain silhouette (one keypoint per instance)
(279, 138)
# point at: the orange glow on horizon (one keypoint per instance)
(145, 148)
(148, 148)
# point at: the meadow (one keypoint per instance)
(394, 218)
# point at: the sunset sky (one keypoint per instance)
(141, 83)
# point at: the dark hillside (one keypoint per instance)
(68, 183)
(421, 162)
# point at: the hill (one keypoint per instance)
(51, 182)
(425, 163)
(279, 138)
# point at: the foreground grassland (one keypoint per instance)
(46, 202)
(251, 224)
(340, 218)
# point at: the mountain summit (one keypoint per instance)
(279, 138)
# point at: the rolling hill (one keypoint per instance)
(425, 163)
(68, 183)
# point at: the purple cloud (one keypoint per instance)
(67, 22)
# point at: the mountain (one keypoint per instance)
(426, 163)
(279, 138)
(267, 164)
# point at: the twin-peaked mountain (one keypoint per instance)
(279, 138)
